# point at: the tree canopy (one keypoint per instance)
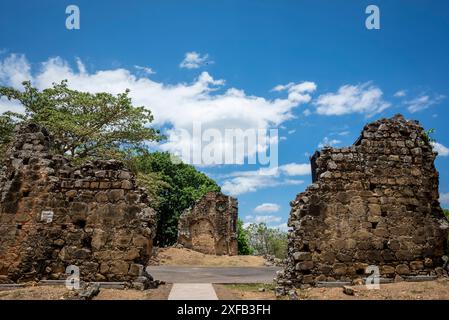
(244, 247)
(83, 125)
(267, 241)
(175, 185)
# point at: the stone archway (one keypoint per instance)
(203, 240)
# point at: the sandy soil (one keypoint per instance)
(187, 257)
(244, 292)
(429, 290)
(160, 293)
(61, 293)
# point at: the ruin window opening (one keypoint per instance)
(26, 161)
(80, 223)
(19, 227)
(87, 242)
(374, 225)
(26, 194)
(63, 226)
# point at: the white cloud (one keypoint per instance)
(444, 198)
(176, 105)
(146, 70)
(442, 150)
(299, 92)
(262, 219)
(240, 182)
(400, 94)
(291, 131)
(343, 133)
(283, 138)
(422, 102)
(328, 143)
(365, 99)
(194, 60)
(14, 69)
(296, 169)
(267, 207)
(307, 112)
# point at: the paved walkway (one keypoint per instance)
(187, 274)
(192, 291)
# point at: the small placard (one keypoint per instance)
(47, 216)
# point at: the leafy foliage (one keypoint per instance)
(428, 135)
(175, 185)
(242, 240)
(83, 125)
(267, 241)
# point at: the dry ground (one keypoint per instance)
(244, 292)
(61, 293)
(187, 257)
(429, 290)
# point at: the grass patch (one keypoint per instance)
(251, 287)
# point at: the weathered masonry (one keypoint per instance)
(210, 225)
(374, 203)
(54, 214)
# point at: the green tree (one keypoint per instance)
(83, 125)
(179, 185)
(244, 247)
(267, 241)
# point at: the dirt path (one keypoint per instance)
(187, 257)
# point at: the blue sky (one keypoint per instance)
(240, 51)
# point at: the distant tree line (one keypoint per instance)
(259, 239)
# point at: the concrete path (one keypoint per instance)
(187, 274)
(192, 291)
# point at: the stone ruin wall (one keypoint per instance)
(54, 214)
(374, 203)
(210, 225)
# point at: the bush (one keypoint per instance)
(242, 239)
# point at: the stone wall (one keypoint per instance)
(54, 214)
(374, 203)
(210, 225)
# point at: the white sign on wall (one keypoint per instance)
(47, 216)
